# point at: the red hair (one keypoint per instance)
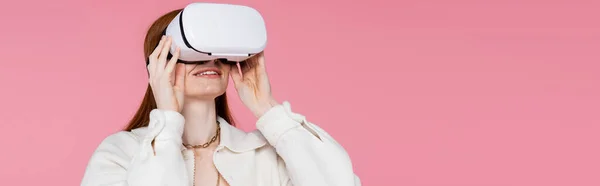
(153, 35)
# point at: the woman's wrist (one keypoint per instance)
(265, 107)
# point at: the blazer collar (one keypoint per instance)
(237, 140)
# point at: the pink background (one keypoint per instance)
(465, 93)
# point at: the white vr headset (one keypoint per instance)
(209, 31)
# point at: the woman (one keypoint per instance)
(183, 133)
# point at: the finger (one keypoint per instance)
(235, 74)
(162, 58)
(158, 47)
(153, 56)
(180, 76)
(261, 63)
(179, 86)
(172, 62)
(239, 67)
(254, 63)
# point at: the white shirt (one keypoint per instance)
(285, 150)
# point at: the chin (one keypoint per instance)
(205, 88)
(205, 92)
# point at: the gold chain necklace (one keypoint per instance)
(213, 139)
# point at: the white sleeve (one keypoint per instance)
(123, 160)
(309, 156)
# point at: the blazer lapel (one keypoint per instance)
(236, 156)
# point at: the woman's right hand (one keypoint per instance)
(167, 86)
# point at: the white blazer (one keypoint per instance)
(285, 150)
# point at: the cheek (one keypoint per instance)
(226, 70)
(189, 68)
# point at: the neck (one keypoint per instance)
(200, 121)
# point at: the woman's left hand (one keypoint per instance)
(254, 88)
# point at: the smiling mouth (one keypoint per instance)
(210, 72)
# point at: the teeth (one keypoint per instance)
(208, 73)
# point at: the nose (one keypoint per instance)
(211, 62)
